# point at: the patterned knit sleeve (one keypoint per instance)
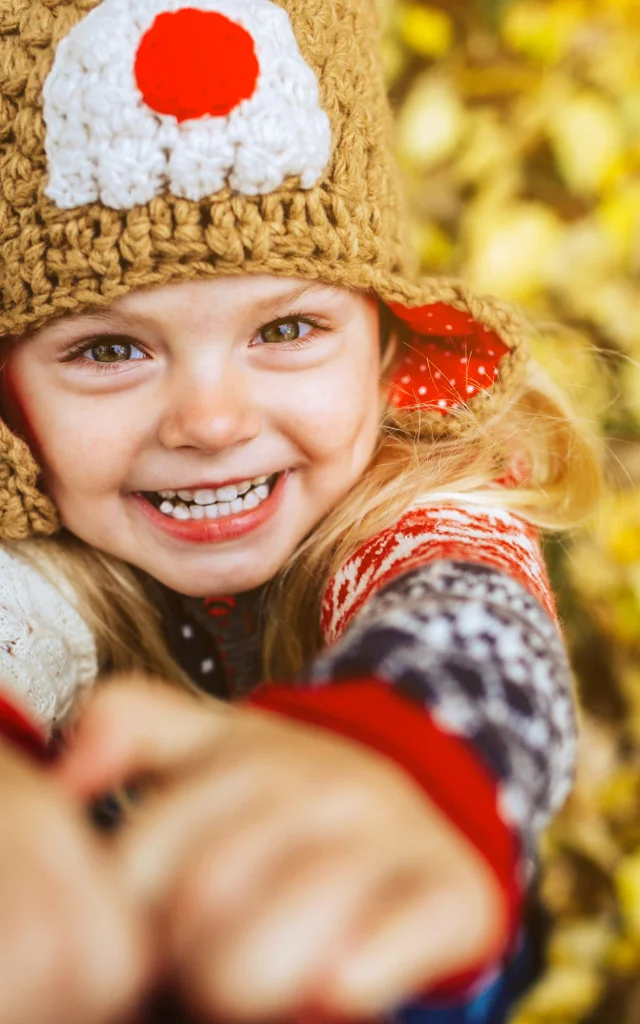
(443, 652)
(472, 647)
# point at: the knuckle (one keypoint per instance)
(238, 1002)
(40, 938)
(60, 917)
(193, 899)
(484, 912)
(113, 965)
(214, 982)
(206, 992)
(48, 951)
(349, 796)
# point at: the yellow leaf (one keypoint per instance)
(566, 992)
(584, 258)
(619, 216)
(586, 136)
(426, 30)
(614, 305)
(614, 68)
(624, 957)
(488, 145)
(619, 797)
(511, 249)
(431, 123)
(541, 31)
(583, 942)
(434, 247)
(627, 881)
(568, 357)
(493, 81)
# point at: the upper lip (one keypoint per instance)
(206, 486)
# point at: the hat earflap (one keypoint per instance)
(449, 359)
(24, 510)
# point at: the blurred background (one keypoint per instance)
(519, 133)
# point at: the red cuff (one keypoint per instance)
(22, 732)
(444, 765)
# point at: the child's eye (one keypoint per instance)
(290, 330)
(113, 351)
(106, 351)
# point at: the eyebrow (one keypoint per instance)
(100, 318)
(292, 295)
(266, 305)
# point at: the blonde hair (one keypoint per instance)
(412, 463)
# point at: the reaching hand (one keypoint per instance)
(73, 947)
(289, 870)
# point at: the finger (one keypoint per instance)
(421, 935)
(64, 912)
(281, 941)
(233, 864)
(248, 846)
(134, 726)
(240, 811)
(152, 850)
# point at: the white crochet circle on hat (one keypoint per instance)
(104, 143)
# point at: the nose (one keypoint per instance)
(210, 415)
(191, 63)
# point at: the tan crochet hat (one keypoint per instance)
(146, 142)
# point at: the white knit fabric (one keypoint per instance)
(47, 652)
(103, 142)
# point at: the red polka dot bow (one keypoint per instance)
(450, 359)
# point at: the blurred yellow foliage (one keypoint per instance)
(619, 215)
(510, 248)
(566, 994)
(586, 135)
(433, 246)
(431, 123)
(542, 31)
(519, 130)
(427, 31)
(627, 879)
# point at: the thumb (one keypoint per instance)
(133, 726)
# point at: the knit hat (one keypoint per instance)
(148, 142)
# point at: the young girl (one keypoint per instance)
(277, 468)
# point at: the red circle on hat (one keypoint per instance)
(194, 63)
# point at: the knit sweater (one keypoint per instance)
(441, 651)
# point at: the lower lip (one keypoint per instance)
(215, 531)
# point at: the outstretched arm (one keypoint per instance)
(448, 659)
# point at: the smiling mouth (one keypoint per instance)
(213, 503)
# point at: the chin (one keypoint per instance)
(203, 584)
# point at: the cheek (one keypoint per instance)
(91, 453)
(80, 460)
(72, 438)
(337, 416)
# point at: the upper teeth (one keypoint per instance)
(205, 497)
(213, 502)
(208, 495)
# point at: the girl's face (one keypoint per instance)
(200, 431)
